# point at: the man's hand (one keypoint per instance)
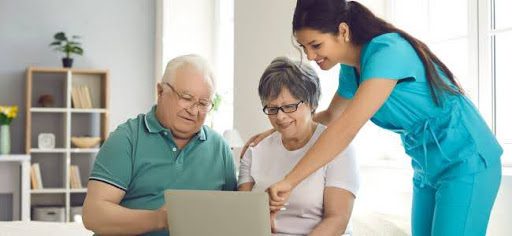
(162, 218)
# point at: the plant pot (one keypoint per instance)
(67, 62)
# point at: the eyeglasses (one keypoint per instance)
(288, 108)
(188, 101)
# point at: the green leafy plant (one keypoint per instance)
(216, 102)
(67, 45)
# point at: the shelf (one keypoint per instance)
(48, 190)
(94, 110)
(48, 110)
(85, 150)
(63, 110)
(14, 157)
(65, 70)
(55, 150)
(64, 121)
(78, 190)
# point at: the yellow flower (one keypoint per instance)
(12, 112)
(8, 113)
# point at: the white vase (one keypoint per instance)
(5, 139)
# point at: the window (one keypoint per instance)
(473, 39)
(208, 32)
(499, 34)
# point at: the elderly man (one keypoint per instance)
(167, 148)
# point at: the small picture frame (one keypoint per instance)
(46, 141)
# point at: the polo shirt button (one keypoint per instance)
(165, 133)
(173, 149)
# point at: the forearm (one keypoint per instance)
(332, 141)
(109, 218)
(330, 225)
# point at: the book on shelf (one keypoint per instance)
(35, 176)
(81, 97)
(74, 177)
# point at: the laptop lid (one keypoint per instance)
(222, 213)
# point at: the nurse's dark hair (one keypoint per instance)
(326, 15)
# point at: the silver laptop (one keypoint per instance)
(217, 213)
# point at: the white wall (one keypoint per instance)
(188, 27)
(262, 32)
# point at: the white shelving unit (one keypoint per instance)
(64, 121)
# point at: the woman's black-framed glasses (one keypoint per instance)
(188, 101)
(288, 108)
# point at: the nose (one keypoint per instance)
(193, 109)
(280, 114)
(309, 54)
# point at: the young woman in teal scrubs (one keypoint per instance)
(393, 79)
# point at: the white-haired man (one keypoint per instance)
(167, 148)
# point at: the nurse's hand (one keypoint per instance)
(254, 140)
(279, 193)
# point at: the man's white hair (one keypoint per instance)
(197, 62)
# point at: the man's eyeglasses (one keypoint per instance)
(288, 108)
(188, 101)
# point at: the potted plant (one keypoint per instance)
(68, 46)
(217, 99)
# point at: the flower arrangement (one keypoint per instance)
(7, 114)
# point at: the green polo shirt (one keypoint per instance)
(141, 158)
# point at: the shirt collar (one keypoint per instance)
(154, 126)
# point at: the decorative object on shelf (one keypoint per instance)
(7, 114)
(85, 142)
(232, 136)
(46, 100)
(68, 46)
(46, 141)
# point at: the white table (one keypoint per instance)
(24, 161)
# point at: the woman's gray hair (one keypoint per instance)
(197, 62)
(299, 78)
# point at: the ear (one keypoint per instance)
(159, 89)
(344, 32)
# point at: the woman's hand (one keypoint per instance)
(273, 221)
(254, 140)
(279, 193)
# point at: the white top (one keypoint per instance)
(269, 162)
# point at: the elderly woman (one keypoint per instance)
(322, 204)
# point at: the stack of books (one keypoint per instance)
(74, 177)
(81, 97)
(35, 176)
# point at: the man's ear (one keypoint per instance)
(159, 89)
(344, 32)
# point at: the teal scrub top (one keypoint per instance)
(141, 158)
(449, 139)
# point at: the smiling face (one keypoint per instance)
(292, 126)
(183, 121)
(326, 49)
